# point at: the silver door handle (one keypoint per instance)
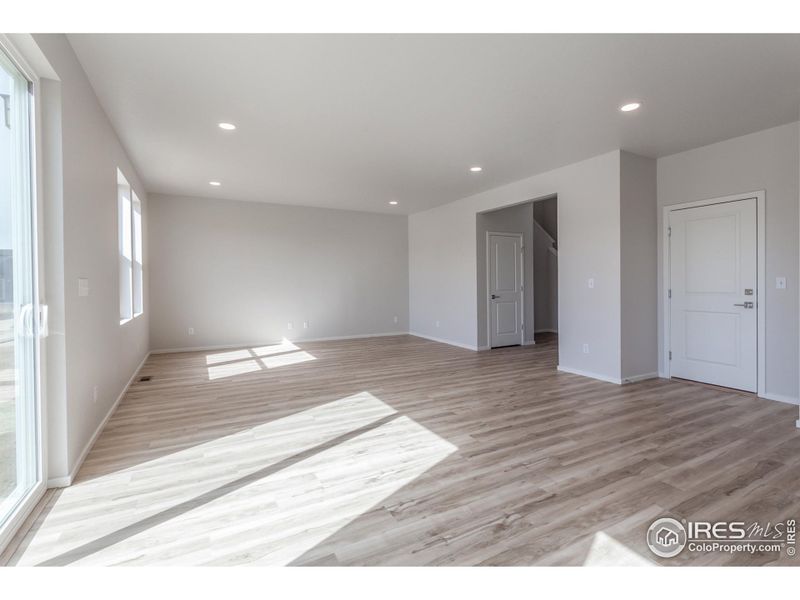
(745, 304)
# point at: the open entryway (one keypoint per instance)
(713, 292)
(518, 274)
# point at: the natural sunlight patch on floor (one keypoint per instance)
(251, 360)
(268, 494)
(605, 551)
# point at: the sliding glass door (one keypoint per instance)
(20, 453)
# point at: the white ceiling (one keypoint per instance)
(353, 121)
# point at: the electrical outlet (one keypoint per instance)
(395, 319)
(289, 325)
(94, 394)
(305, 324)
(191, 330)
(437, 323)
(586, 348)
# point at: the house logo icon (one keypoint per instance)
(666, 537)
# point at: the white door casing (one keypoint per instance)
(505, 288)
(713, 293)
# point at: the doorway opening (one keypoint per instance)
(518, 274)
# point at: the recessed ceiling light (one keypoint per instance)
(227, 126)
(630, 106)
(392, 202)
(214, 183)
(476, 169)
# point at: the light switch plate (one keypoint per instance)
(780, 283)
(83, 286)
(591, 282)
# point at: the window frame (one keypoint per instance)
(130, 250)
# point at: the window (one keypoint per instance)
(136, 207)
(129, 224)
(20, 450)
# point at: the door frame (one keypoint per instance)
(761, 279)
(521, 237)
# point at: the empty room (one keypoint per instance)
(399, 299)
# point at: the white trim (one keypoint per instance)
(780, 398)
(637, 378)
(57, 482)
(448, 342)
(761, 292)
(529, 342)
(589, 374)
(521, 237)
(20, 513)
(295, 341)
(545, 331)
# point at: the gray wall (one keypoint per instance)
(95, 349)
(767, 160)
(546, 214)
(239, 272)
(545, 274)
(443, 262)
(638, 250)
(514, 219)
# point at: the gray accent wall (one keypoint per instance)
(638, 250)
(766, 160)
(239, 272)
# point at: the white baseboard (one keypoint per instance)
(529, 343)
(590, 374)
(58, 482)
(545, 331)
(642, 377)
(444, 341)
(780, 398)
(295, 341)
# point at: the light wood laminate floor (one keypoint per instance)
(402, 451)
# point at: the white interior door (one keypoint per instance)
(505, 289)
(713, 282)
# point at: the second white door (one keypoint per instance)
(713, 280)
(505, 289)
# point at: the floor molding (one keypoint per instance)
(642, 377)
(545, 331)
(597, 376)
(780, 398)
(66, 481)
(296, 341)
(444, 341)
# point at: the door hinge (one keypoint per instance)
(670, 354)
(669, 231)
(669, 293)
